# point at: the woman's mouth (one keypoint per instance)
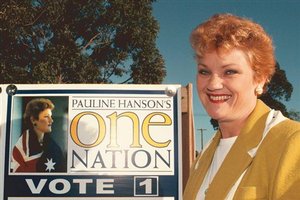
(220, 98)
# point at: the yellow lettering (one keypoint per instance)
(74, 130)
(145, 128)
(113, 129)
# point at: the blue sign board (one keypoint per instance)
(89, 141)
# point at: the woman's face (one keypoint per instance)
(226, 86)
(44, 123)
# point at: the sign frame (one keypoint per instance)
(69, 184)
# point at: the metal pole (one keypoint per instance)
(201, 135)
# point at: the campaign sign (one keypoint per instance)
(90, 141)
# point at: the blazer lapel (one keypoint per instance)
(208, 155)
(238, 159)
(200, 168)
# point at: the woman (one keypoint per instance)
(35, 151)
(255, 154)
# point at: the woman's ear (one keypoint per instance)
(33, 121)
(259, 90)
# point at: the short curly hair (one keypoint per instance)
(34, 108)
(224, 32)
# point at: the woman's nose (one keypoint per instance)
(215, 83)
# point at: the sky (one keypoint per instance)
(177, 18)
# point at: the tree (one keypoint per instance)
(295, 115)
(75, 41)
(279, 89)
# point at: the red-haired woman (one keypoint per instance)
(35, 151)
(255, 154)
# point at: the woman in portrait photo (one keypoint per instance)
(255, 154)
(35, 150)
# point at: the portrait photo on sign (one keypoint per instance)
(38, 136)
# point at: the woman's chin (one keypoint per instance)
(215, 115)
(48, 131)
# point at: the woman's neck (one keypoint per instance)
(228, 131)
(231, 128)
(40, 135)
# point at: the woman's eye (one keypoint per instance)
(230, 72)
(203, 72)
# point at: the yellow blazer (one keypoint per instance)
(274, 173)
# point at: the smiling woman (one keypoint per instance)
(255, 153)
(222, 81)
(35, 151)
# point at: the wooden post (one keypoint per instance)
(188, 135)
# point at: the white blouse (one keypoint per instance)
(219, 156)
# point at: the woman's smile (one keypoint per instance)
(218, 98)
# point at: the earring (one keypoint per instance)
(259, 90)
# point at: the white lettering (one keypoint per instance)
(53, 186)
(63, 186)
(38, 189)
(82, 184)
(101, 186)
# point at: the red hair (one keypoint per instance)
(224, 32)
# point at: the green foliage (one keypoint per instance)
(278, 89)
(295, 115)
(75, 41)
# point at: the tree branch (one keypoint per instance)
(34, 21)
(126, 80)
(90, 42)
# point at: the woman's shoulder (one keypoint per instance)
(282, 140)
(286, 129)
(52, 144)
(22, 138)
(290, 125)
